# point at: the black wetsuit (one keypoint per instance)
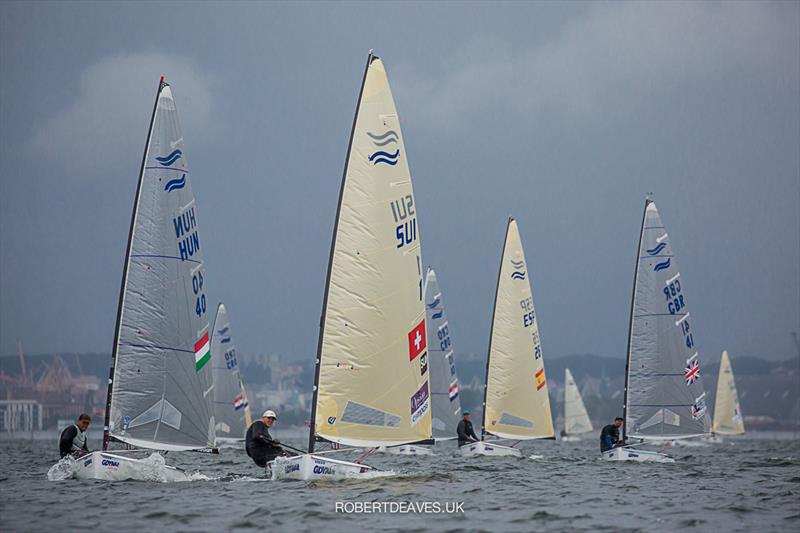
(465, 431)
(260, 446)
(65, 444)
(609, 437)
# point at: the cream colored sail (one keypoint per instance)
(372, 385)
(517, 405)
(576, 419)
(727, 414)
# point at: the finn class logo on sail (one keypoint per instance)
(168, 161)
(519, 270)
(385, 143)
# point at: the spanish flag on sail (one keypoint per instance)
(540, 381)
(202, 352)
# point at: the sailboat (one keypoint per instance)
(371, 384)
(231, 409)
(445, 401)
(727, 413)
(576, 419)
(664, 397)
(160, 386)
(516, 402)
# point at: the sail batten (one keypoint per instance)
(727, 412)
(160, 386)
(444, 379)
(372, 377)
(517, 402)
(664, 394)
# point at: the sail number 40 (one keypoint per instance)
(200, 297)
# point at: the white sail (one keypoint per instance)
(160, 391)
(444, 380)
(231, 408)
(665, 398)
(727, 413)
(372, 384)
(517, 403)
(576, 419)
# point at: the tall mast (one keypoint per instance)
(491, 331)
(315, 393)
(107, 421)
(647, 202)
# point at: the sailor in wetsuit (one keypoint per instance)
(465, 432)
(73, 438)
(609, 437)
(259, 444)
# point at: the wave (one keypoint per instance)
(663, 265)
(225, 340)
(437, 315)
(178, 183)
(224, 330)
(518, 264)
(384, 136)
(657, 249)
(435, 303)
(167, 160)
(517, 275)
(385, 157)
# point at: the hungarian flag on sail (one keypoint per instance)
(202, 352)
(416, 341)
(239, 402)
(692, 371)
(540, 381)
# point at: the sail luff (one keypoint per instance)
(315, 392)
(125, 267)
(630, 324)
(491, 328)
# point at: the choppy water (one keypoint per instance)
(744, 484)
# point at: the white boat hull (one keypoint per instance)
(313, 467)
(106, 466)
(636, 455)
(407, 449)
(570, 438)
(489, 449)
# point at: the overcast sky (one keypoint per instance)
(564, 115)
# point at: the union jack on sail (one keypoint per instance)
(692, 371)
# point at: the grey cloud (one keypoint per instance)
(109, 114)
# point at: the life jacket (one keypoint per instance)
(79, 440)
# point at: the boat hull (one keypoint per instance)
(570, 438)
(314, 467)
(638, 456)
(489, 449)
(106, 466)
(407, 449)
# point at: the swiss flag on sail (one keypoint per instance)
(416, 340)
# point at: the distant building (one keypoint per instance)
(20, 416)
